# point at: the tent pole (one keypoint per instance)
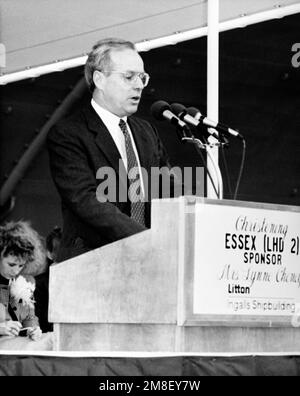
(212, 83)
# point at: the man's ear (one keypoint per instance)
(98, 79)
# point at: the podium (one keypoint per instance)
(153, 292)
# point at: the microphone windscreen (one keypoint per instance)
(158, 108)
(193, 111)
(177, 108)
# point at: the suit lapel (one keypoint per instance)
(107, 145)
(103, 138)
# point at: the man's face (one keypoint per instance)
(116, 94)
(11, 266)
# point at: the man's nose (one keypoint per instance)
(138, 84)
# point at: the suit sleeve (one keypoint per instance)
(77, 186)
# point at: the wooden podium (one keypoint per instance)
(137, 294)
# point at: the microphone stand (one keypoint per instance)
(217, 173)
(200, 146)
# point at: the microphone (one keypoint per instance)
(183, 114)
(194, 112)
(161, 110)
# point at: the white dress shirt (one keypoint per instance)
(111, 121)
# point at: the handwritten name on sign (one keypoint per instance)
(247, 261)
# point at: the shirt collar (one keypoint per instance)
(106, 116)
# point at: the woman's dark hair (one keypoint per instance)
(21, 240)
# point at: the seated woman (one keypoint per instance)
(22, 256)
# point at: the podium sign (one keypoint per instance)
(209, 276)
(246, 264)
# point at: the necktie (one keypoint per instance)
(137, 207)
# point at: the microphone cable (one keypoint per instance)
(157, 111)
(226, 169)
(241, 169)
(198, 146)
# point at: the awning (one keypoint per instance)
(39, 37)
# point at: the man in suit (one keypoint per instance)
(105, 135)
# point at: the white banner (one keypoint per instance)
(247, 261)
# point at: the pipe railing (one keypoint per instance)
(30, 154)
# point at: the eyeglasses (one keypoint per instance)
(131, 77)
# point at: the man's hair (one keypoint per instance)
(21, 240)
(99, 57)
(56, 233)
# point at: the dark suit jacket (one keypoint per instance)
(78, 147)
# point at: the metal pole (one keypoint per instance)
(20, 169)
(212, 82)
